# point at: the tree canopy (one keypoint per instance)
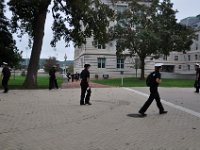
(150, 30)
(86, 18)
(8, 50)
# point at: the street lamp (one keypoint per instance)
(64, 69)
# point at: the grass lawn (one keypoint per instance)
(43, 82)
(134, 82)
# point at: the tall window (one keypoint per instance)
(99, 45)
(101, 62)
(176, 58)
(196, 57)
(188, 57)
(197, 46)
(188, 67)
(120, 62)
(121, 8)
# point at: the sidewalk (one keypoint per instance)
(54, 120)
(76, 84)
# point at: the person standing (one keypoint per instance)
(6, 76)
(52, 78)
(85, 87)
(197, 78)
(156, 80)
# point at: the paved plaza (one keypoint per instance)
(54, 120)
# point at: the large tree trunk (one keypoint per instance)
(142, 67)
(31, 77)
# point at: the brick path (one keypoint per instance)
(54, 120)
(76, 84)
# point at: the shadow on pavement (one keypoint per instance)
(135, 115)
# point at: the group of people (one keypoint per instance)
(86, 89)
(73, 77)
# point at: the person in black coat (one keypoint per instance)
(154, 92)
(52, 78)
(6, 76)
(197, 78)
(85, 87)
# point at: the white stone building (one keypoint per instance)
(182, 65)
(102, 58)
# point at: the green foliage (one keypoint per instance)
(150, 29)
(134, 82)
(74, 20)
(8, 50)
(49, 63)
(86, 18)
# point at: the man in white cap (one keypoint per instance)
(197, 79)
(6, 76)
(156, 79)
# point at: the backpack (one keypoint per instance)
(150, 79)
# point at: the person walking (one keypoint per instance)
(197, 78)
(5, 76)
(85, 87)
(52, 78)
(155, 81)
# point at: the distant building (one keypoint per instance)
(181, 65)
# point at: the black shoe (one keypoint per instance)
(82, 104)
(142, 114)
(163, 112)
(88, 103)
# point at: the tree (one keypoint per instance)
(49, 63)
(150, 30)
(86, 18)
(8, 51)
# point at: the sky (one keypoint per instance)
(186, 8)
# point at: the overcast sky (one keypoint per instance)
(186, 8)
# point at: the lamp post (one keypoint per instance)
(65, 57)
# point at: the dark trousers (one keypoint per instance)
(5, 84)
(153, 95)
(85, 94)
(53, 83)
(197, 86)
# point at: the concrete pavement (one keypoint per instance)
(54, 120)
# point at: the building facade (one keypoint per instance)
(103, 59)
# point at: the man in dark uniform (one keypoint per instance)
(85, 87)
(6, 76)
(197, 79)
(156, 79)
(52, 78)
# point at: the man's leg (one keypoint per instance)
(5, 85)
(147, 104)
(56, 83)
(87, 98)
(83, 91)
(159, 104)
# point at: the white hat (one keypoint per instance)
(158, 64)
(197, 64)
(5, 63)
